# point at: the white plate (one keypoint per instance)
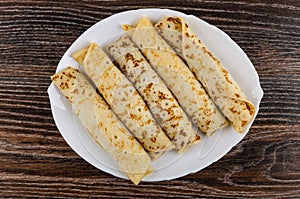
(171, 165)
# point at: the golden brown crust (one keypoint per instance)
(101, 123)
(219, 84)
(177, 76)
(125, 101)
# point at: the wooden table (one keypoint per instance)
(35, 161)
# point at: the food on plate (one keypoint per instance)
(219, 84)
(124, 100)
(177, 76)
(155, 93)
(101, 123)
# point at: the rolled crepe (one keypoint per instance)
(125, 101)
(101, 123)
(219, 84)
(177, 76)
(155, 93)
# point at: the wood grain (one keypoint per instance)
(35, 161)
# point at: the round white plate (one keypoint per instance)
(170, 165)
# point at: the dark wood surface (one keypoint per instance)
(35, 161)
